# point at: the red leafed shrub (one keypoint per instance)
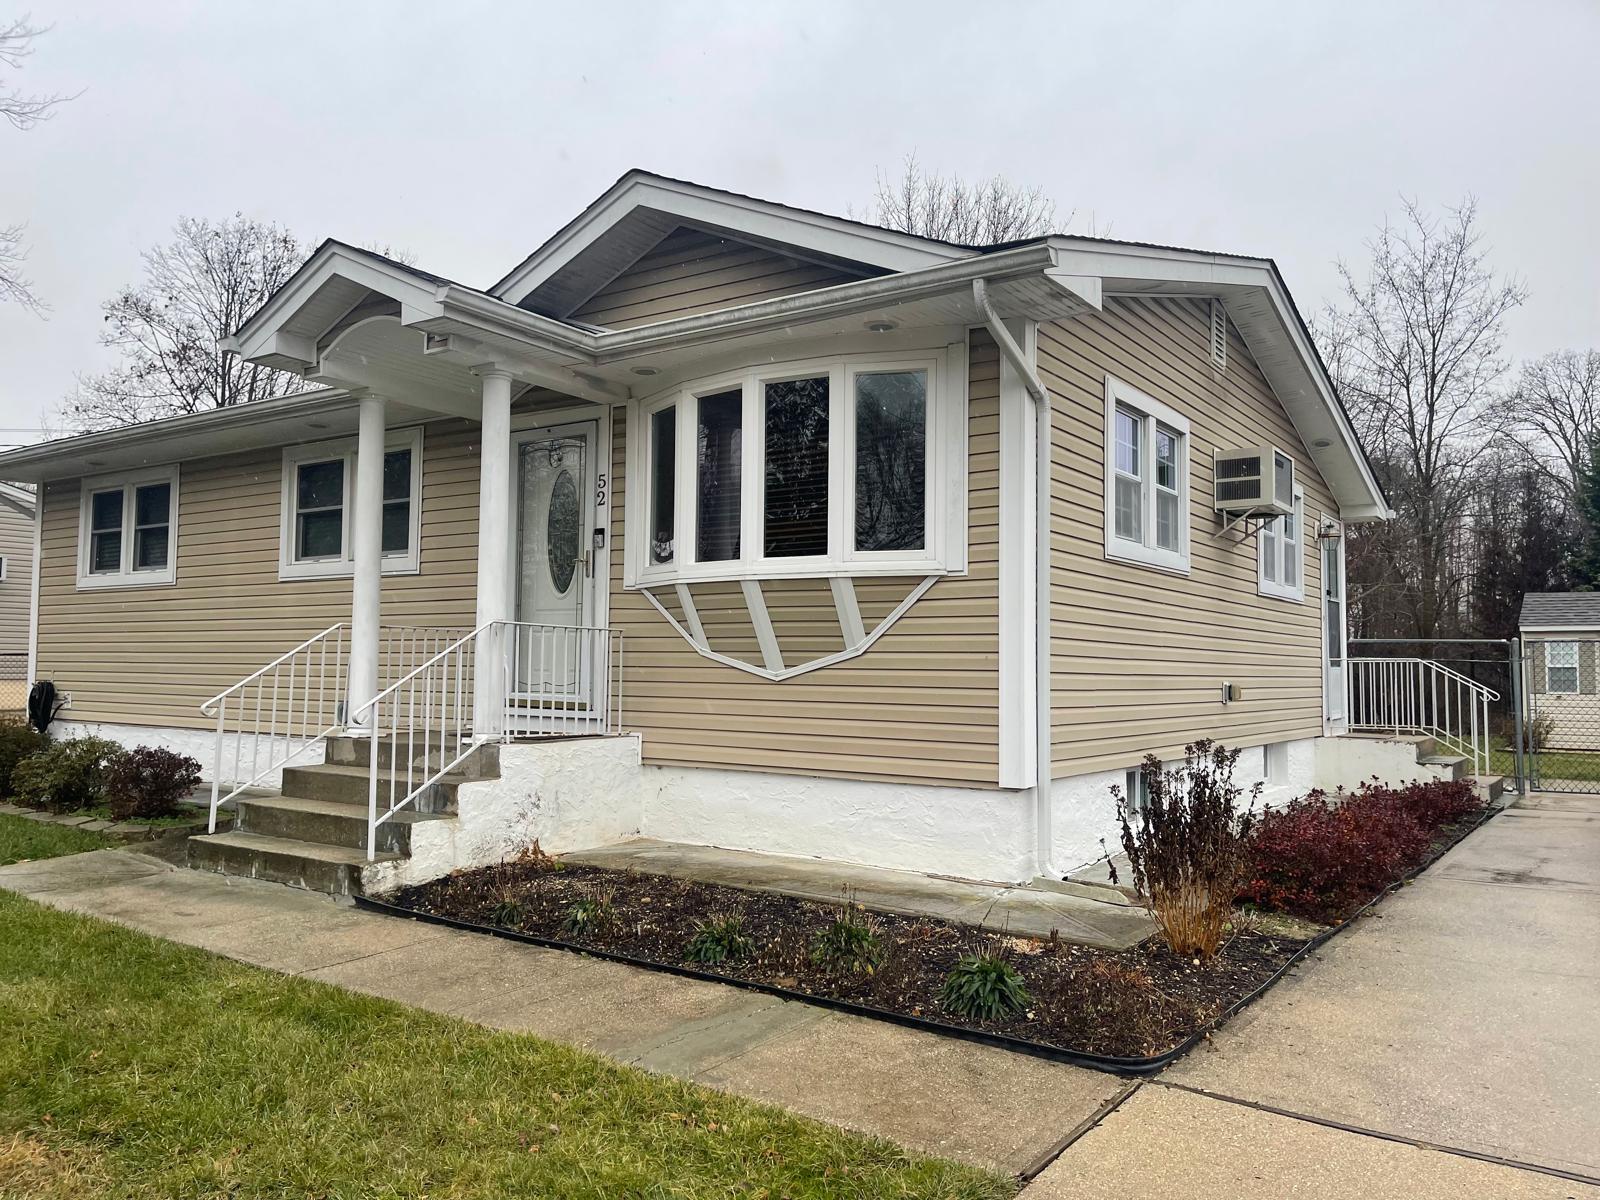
(1323, 856)
(149, 782)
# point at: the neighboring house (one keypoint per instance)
(17, 526)
(797, 462)
(1560, 634)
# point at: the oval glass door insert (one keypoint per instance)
(561, 532)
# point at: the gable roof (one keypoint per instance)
(641, 208)
(1560, 610)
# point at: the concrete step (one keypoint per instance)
(348, 785)
(326, 822)
(1456, 764)
(482, 763)
(309, 865)
(1490, 788)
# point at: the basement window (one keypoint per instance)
(851, 465)
(127, 529)
(318, 500)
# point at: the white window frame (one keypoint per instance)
(1551, 667)
(128, 482)
(344, 449)
(1151, 412)
(945, 501)
(1271, 533)
(4, 559)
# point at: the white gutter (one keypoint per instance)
(1044, 817)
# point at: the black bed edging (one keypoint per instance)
(1111, 1063)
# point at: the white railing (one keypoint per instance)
(279, 712)
(539, 680)
(1421, 697)
(404, 648)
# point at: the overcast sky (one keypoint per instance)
(467, 132)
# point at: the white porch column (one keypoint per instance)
(494, 549)
(366, 540)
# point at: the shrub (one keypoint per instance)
(718, 940)
(65, 776)
(149, 782)
(983, 987)
(590, 913)
(1188, 845)
(18, 740)
(849, 942)
(1323, 856)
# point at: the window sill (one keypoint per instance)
(100, 583)
(1166, 561)
(799, 569)
(342, 570)
(1274, 592)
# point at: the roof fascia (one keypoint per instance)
(778, 223)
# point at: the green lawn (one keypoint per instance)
(22, 839)
(133, 1067)
(1576, 765)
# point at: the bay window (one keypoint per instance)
(1146, 480)
(845, 465)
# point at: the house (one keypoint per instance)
(723, 522)
(16, 594)
(1560, 634)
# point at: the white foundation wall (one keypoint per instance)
(974, 833)
(1085, 828)
(566, 795)
(1348, 762)
(199, 744)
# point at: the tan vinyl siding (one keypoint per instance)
(152, 655)
(921, 705)
(1139, 656)
(691, 272)
(16, 589)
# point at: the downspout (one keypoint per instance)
(1044, 825)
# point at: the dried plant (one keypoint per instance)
(849, 943)
(591, 912)
(1188, 844)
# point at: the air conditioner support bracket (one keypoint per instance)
(1238, 520)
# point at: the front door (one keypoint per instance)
(1333, 637)
(551, 654)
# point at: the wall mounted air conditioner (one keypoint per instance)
(1257, 481)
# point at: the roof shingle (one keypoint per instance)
(1560, 610)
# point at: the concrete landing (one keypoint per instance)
(977, 1104)
(1112, 923)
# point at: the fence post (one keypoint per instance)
(1514, 661)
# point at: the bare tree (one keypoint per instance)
(23, 111)
(198, 288)
(1417, 350)
(1552, 411)
(950, 209)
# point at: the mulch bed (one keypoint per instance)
(1134, 1003)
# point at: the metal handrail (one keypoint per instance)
(1421, 696)
(319, 712)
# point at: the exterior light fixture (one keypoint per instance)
(644, 370)
(881, 326)
(1322, 443)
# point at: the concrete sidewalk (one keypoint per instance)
(1464, 1014)
(989, 1107)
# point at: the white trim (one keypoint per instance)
(945, 551)
(804, 668)
(761, 621)
(771, 222)
(1333, 726)
(844, 605)
(1151, 412)
(1018, 560)
(3, 561)
(344, 449)
(33, 591)
(1591, 630)
(1276, 588)
(128, 482)
(691, 616)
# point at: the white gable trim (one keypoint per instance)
(775, 223)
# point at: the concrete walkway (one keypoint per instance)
(1464, 1015)
(1087, 915)
(1448, 1046)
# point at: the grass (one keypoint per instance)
(138, 1068)
(1581, 766)
(23, 840)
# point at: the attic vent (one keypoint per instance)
(1219, 336)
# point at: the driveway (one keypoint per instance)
(1464, 1016)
